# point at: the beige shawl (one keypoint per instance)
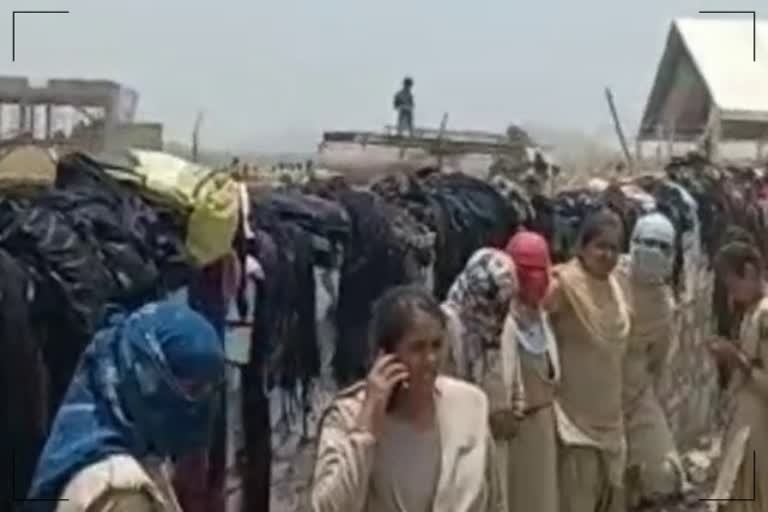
(468, 480)
(591, 327)
(119, 475)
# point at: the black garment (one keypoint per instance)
(74, 280)
(464, 213)
(23, 415)
(141, 243)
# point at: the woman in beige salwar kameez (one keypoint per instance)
(483, 347)
(590, 320)
(532, 474)
(654, 472)
(407, 440)
(742, 475)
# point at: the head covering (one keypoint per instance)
(480, 297)
(477, 308)
(146, 385)
(485, 286)
(652, 249)
(530, 252)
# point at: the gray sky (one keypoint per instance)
(275, 73)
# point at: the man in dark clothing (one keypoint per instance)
(404, 107)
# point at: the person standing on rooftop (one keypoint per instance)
(404, 105)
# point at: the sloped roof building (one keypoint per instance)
(712, 80)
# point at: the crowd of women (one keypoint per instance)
(543, 430)
(531, 386)
(561, 413)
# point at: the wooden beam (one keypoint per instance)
(443, 126)
(617, 127)
(445, 145)
(196, 136)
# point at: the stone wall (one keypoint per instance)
(688, 386)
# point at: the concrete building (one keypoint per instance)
(92, 114)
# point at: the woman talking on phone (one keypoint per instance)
(407, 439)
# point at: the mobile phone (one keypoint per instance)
(395, 392)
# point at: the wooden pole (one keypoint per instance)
(617, 126)
(440, 135)
(196, 137)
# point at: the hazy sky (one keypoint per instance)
(275, 73)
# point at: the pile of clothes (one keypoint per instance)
(405, 228)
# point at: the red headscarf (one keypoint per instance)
(530, 252)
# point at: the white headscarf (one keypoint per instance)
(652, 248)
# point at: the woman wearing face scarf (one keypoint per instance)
(532, 478)
(144, 392)
(654, 471)
(482, 345)
(590, 320)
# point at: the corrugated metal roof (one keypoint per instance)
(721, 50)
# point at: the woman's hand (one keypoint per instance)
(504, 424)
(553, 299)
(729, 354)
(386, 374)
